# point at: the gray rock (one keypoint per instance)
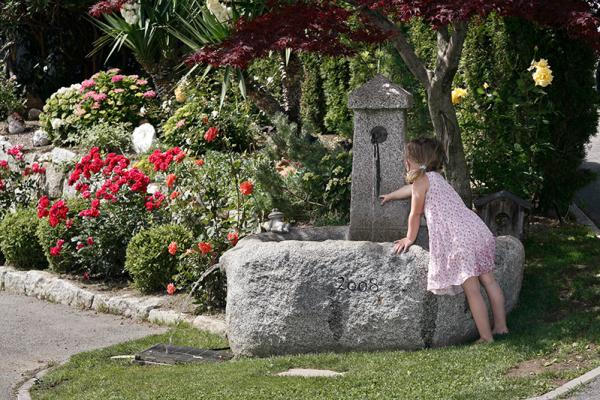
(211, 324)
(34, 114)
(15, 126)
(54, 181)
(68, 191)
(60, 155)
(40, 138)
(379, 111)
(293, 296)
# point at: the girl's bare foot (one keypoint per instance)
(500, 331)
(483, 341)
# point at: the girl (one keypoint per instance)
(461, 246)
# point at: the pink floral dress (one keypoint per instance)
(460, 244)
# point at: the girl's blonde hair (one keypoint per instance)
(428, 153)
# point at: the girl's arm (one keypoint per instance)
(403, 193)
(417, 205)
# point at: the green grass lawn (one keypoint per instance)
(555, 332)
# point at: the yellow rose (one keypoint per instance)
(457, 95)
(542, 76)
(180, 95)
(543, 63)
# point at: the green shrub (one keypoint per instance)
(107, 96)
(18, 240)
(148, 260)
(305, 180)
(211, 293)
(518, 136)
(236, 120)
(59, 118)
(10, 99)
(110, 137)
(66, 262)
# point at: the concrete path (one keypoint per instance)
(35, 332)
(588, 198)
(589, 392)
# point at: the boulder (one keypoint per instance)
(40, 138)
(34, 114)
(60, 155)
(15, 125)
(54, 181)
(300, 296)
(143, 138)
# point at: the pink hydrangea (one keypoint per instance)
(141, 82)
(116, 78)
(88, 83)
(150, 94)
(118, 90)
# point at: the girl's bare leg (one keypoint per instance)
(496, 297)
(478, 308)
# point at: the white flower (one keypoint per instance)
(143, 138)
(218, 10)
(143, 111)
(214, 114)
(56, 123)
(130, 12)
(269, 80)
(152, 188)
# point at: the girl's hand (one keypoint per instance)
(385, 198)
(402, 245)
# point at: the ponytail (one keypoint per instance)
(412, 176)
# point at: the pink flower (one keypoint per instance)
(116, 78)
(233, 238)
(114, 70)
(99, 97)
(69, 223)
(180, 123)
(90, 241)
(150, 94)
(205, 247)
(79, 246)
(118, 90)
(86, 276)
(88, 83)
(141, 82)
(3, 164)
(211, 134)
(173, 248)
(171, 289)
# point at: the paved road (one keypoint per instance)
(34, 332)
(589, 392)
(588, 198)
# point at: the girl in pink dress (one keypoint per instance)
(462, 248)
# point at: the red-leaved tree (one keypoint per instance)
(335, 27)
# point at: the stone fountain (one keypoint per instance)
(341, 288)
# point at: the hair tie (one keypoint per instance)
(423, 167)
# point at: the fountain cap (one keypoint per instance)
(379, 93)
(275, 214)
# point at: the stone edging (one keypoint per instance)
(45, 286)
(23, 390)
(569, 386)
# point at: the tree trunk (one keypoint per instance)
(291, 81)
(162, 76)
(447, 132)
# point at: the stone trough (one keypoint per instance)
(311, 291)
(341, 288)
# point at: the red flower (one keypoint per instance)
(2, 184)
(69, 223)
(246, 188)
(211, 134)
(171, 289)
(3, 164)
(170, 180)
(42, 207)
(79, 246)
(90, 241)
(199, 162)
(233, 238)
(173, 248)
(55, 251)
(174, 195)
(86, 276)
(179, 157)
(205, 247)
(58, 212)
